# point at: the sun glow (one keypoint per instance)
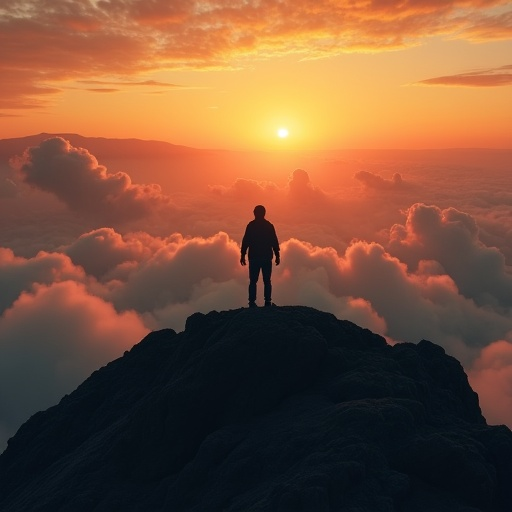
(282, 133)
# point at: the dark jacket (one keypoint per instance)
(261, 240)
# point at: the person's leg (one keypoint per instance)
(266, 270)
(254, 272)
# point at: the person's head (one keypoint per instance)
(259, 211)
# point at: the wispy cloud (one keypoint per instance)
(490, 28)
(103, 90)
(46, 44)
(494, 77)
(144, 83)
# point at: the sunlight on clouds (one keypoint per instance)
(129, 39)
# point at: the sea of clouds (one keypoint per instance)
(91, 261)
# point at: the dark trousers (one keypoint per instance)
(255, 265)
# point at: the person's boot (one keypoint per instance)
(252, 304)
(268, 303)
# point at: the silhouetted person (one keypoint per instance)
(261, 240)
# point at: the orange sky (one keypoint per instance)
(353, 73)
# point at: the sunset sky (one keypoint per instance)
(392, 200)
(219, 74)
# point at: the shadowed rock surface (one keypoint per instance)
(282, 409)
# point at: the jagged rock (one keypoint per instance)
(270, 409)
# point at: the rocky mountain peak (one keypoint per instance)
(270, 409)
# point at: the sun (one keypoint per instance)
(282, 133)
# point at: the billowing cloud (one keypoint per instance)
(106, 289)
(51, 339)
(372, 180)
(491, 375)
(74, 176)
(176, 270)
(450, 238)
(20, 274)
(301, 189)
(244, 189)
(406, 272)
(103, 250)
(129, 37)
(485, 78)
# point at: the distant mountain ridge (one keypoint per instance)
(284, 409)
(104, 147)
(100, 147)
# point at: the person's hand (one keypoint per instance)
(242, 261)
(278, 259)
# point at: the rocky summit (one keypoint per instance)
(283, 409)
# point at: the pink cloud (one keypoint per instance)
(429, 276)
(372, 180)
(136, 281)
(450, 237)
(52, 339)
(102, 250)
(300, 188)
(175, 272)
(244, 189)
(491, 377)
(20, 274)
(74, 176)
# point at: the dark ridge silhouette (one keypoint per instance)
(268, 409)
(100, 147)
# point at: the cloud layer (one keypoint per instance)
(370, 253)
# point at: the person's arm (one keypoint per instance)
(275, 246)
(245, 245)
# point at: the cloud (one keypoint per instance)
(414, 305)
(18, 274)
(103, 90)
(301, 189)
(51, 339)
(136, 36)
(483, 28)
(486, 78)
(107, 286)
(175, 271)
(244, 189)
(102, 85)
(372, 180)
(7, 188)
(103, 250)
(491, 375)
(74, 176)
(143, 83)
(406, 272)
(450, 238)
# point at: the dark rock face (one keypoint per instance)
(274, 409)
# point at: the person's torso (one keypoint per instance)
(261, 239)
